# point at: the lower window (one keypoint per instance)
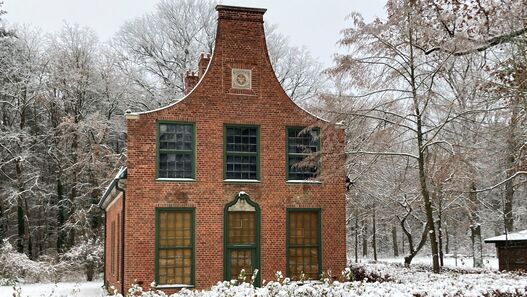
(303, 244)
(175, 246)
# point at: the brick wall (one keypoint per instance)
(113, 218)
(240, 43)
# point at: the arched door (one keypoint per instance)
(242, 238)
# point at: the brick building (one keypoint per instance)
(234, 175)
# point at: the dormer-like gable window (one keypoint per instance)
(175, 150)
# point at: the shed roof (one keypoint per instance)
(121, 174)
(516, 236)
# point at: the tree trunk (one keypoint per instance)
(447, 239)
(3, 231)
(394, 241)
(475, 228)
(28, 238)
(402, 243)
(439, 229)
(374, 234)
(61, 217)
(364, 239)
(20, 226)
(421, 162)
(20, 215)
(509, 195)
(412, 251)
(356, 236)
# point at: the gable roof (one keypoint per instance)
(249, 14)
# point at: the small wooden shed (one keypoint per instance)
(512, 250)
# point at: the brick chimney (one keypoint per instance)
(204, 60)
(191, 80)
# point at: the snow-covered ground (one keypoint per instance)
(81, 289)
(449, 261)
(392, 280)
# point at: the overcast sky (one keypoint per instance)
(314, 24)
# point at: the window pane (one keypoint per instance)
(242, 139)
(241, 259)
(175, 247)
(304, 245)
(175, 165)
(302, 142)
(241, 227)
(175, 136)
(241, 167)
(301, 167)
(301, 145)
(176, 155)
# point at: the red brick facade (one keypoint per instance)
(240, 43)
(113, 242)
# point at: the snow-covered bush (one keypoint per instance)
(15, 267)
(86, 256)
(391, 281)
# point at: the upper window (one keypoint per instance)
(303, 146)
(175, 247)
(241, 152)
(175, 150)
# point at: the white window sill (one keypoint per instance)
(255, 181)
(176, 286)
(175, 179)
(301, 181)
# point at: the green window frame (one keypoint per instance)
(176, 159)
(302, 242)
(241, 147)
(301, 144)
(174, 251)
(230, 246)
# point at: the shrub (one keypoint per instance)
(15, 267)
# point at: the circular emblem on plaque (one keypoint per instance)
(241, 79)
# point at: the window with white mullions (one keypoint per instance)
(241, 152)
(303, 147)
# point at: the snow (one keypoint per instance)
(63, 289)
(381, 280)
(385, 279)
(521, 235)
(450, 261)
